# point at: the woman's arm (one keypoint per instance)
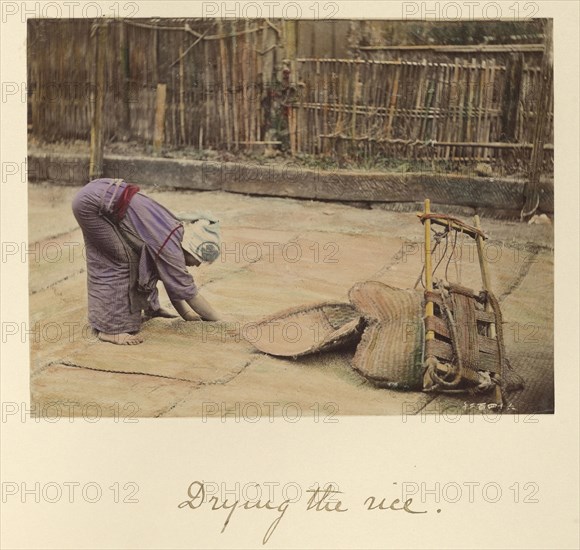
(184, 310)
(203, 308)
(200, 305)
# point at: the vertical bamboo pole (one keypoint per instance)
(550, 111)
(326, 100)
(253, 78)
(488, 106)
(124, 62)
(382, 84)
(97, 126)
(234, 88)
(289, 38)
(224, 77)
(258, 88)
(491, 94)
(346, 83)
(369, 88)
(291, 130)
(155, 52)
(290, 44)
(487, 287)
(354, 81)
(393, 100)
(317, 100)
(259, 85)
(421, 93)
(454, 130)
(370, 101)
(404, 103)
(531, 189)
(430, 95)
(471, 72)
(481, 104)
(436, 121)
(160, 105)
(244, 83)
(366, 86)
(521, 124)
(448, 106)
(339, 96)
(389, 72)
(484, 271)
(430, 335)
(464, 109)
(205, 90)
(182, 96)
(249, 79)
(172, 131)
(513, 79)
(299, 122)
(199, 82)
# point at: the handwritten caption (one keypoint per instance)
(411, 498)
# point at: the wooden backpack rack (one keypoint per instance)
(464, 346)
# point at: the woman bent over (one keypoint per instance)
(131, 243)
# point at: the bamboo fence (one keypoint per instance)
(464, 110)
(229, 86)
(217, 86)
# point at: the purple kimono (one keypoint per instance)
(125, 260)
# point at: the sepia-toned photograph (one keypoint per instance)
(289, 274)
(280, 217)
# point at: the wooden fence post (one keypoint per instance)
(182, 97)
(99, 32)
(290, 44)
(543, 95)
(125, 123)
(159, 132)
(289, 63)
(511, 97)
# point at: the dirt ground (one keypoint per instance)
(278, 253)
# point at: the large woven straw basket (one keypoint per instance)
(390, 353)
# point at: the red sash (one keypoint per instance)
(123, 201)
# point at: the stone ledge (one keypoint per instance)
(290, 180)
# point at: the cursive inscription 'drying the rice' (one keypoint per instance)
(321, 499)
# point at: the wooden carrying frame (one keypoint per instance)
(464, 348)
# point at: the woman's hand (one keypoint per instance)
(203, 308)
(184, 310)
(200, 306)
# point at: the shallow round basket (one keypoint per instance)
(303, 330)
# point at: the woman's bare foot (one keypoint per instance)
(161, 312)
(122, 339)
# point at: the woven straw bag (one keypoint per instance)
(390, 353)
